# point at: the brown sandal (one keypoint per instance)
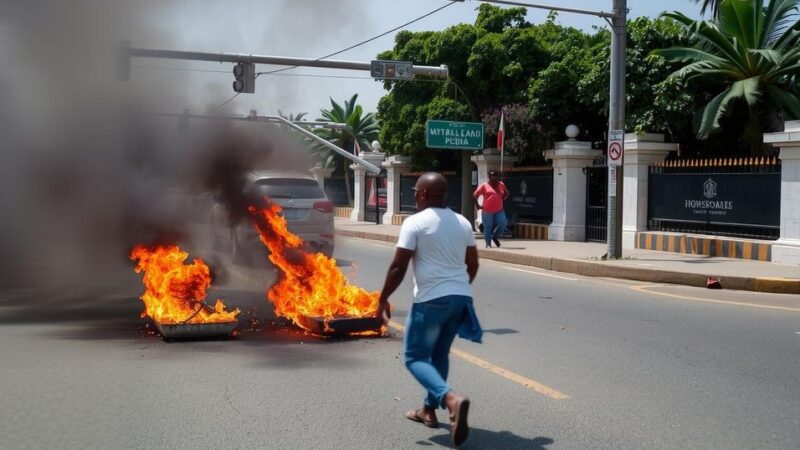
(459, 430)
(414, 416)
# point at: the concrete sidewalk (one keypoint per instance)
(583, 258)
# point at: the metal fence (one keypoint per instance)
(375, 197)
(336, 190)
(596, 228)
(724, 197)
(407, 181)
(530, 189)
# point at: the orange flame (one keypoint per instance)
(312, 285)
(175, 292)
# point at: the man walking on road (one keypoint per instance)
(442, 246)
(493, 217)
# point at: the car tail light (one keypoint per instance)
(325, 207)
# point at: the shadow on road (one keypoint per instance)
(480, 438)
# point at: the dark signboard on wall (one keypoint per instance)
(530, 197)
(741, 199)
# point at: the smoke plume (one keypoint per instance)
(86, 170)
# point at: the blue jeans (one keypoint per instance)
(494, 225)
(430, 329)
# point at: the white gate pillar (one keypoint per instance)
(641, 152)
(360, 183)
(395, 167)
(490, 159)
(569, 189)
(786, 250)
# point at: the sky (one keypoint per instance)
(300, 28)
(314, 28)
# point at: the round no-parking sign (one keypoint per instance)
(615, 151)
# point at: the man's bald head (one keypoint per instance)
(430, 190)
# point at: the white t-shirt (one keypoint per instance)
(439, 238)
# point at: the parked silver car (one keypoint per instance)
(308, 213)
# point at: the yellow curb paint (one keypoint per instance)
(497, 370)
(648, 241)
(778, 285)
(646, 290)
(762, 252)
(747, 250)
(671, 244)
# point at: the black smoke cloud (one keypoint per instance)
(86, 171)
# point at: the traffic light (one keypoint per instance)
(245, 81)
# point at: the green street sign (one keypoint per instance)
(454, 135)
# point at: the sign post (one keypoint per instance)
(391, 70)
(449, 135)
(615, 155)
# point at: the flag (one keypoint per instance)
(501, 132)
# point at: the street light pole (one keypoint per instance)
(617, 18)
(616, 123)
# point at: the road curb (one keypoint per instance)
(604, 269)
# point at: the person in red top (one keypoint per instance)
(493, 217)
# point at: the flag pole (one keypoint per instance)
(502, 140)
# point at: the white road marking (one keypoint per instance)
(646, 289)
(540, 273)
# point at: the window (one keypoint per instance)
(289, 188)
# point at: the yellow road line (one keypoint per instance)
(646, 289)
(497, 370)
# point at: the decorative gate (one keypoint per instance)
(375, 197)
(597, 201)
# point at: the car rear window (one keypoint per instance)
(289, 188)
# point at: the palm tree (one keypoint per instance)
(709, 5)
(360, 130)
(754, 50)
(292, 117)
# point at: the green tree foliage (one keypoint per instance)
(753, 50)
(654, 103)
(553, 75)
(490, 64)
(292, 117)
(521, 130)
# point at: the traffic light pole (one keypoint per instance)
(236, 58)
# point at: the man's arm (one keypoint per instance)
(394, 276)
(471, 259)
(506, 194)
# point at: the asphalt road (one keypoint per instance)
(567, 362)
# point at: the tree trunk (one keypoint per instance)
(753, 135)
(347, 184)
